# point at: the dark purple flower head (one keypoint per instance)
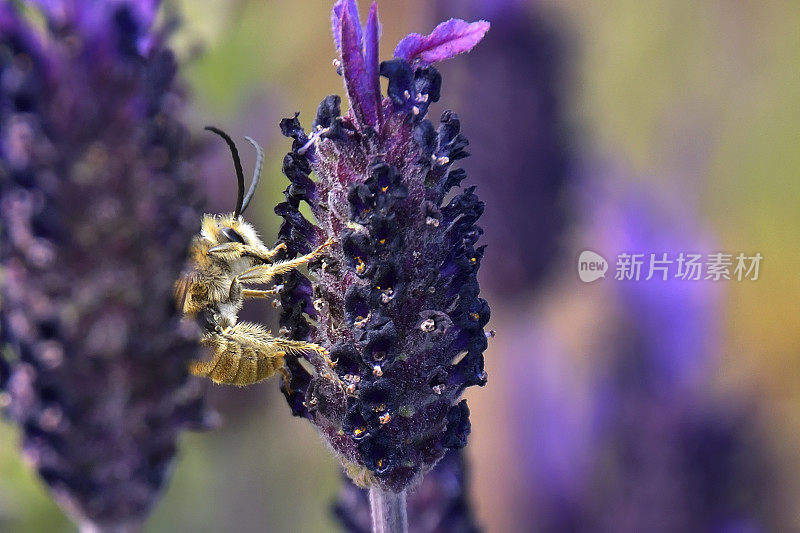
(97, 210)
(396, 303)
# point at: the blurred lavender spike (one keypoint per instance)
(522, 154)
(639, 443)
(396, 299)
(98, 206)
(439, 505)
(675, 458)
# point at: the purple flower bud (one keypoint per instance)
(396, 300)
(97, 210)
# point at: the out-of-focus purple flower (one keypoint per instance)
(638, 443)
(675, 322)
(396, 303)
(438, 505)
(674, 458)
(97, 209)
(522, 154)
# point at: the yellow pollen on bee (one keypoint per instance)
(382, 241)
(380, 463)
(384, 189)
(475, 316)
(473, 259)
(359, 431)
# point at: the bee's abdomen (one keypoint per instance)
(240, 358)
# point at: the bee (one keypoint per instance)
(224, 258)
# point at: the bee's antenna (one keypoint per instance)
(256, 173)
(237, 164)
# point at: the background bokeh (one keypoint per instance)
(609, 406)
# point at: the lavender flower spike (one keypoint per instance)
(97, 206)
(396, 302)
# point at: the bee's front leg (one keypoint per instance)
(262, 254)
(265, 274)
(233, 250)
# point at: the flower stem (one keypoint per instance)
(88, 526)
(388, 511)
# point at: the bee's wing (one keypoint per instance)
(183, 287)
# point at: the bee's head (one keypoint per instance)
(227, 233)
(227, 229)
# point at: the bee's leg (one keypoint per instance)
(287, 379)
(266, 273)
(308, 348)
(301, 348)
(256, 293)
(233, 250)
(260, 254)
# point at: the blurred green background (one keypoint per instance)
(700, 97)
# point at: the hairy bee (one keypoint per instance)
(223, 258)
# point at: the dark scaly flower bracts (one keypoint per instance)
(396, 302)
(97, 210)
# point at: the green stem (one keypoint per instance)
(388, 511)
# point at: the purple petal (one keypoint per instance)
(336, 20)
(448, 39)
(371, 40)
(360, 88)
(336, 24)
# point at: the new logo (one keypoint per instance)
(591, 266)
